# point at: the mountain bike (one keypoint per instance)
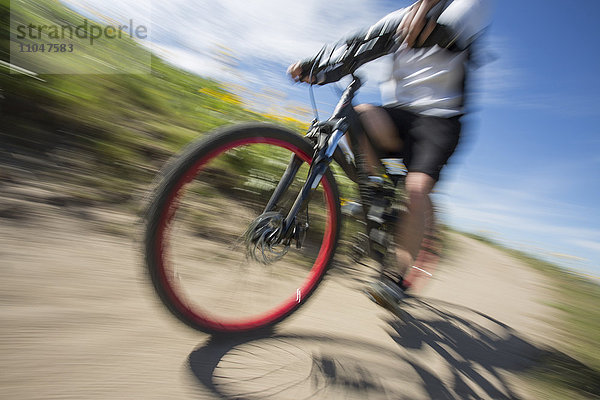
(245, 222)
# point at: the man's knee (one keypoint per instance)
(361, 108)
(379, 127)
(418, 186)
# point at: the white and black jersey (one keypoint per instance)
(427, 80)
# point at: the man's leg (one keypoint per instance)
(382, 132)
(409, 234)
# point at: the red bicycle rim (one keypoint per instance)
(233, 325)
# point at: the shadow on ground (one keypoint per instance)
(443, 351)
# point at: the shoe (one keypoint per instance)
(352, 208)
(386, 293)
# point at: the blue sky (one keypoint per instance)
(531, 175)
(528, 170)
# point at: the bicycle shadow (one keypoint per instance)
(479, 351)
(444, 351)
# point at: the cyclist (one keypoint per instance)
(432, 44)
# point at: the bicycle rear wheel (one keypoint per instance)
(195, 249)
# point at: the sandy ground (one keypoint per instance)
(79, 320)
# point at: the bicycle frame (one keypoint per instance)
(327, 137)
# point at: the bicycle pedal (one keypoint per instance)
(352, 208)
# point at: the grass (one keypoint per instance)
(575, 372)
(119, 128)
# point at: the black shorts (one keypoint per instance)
(428, 141)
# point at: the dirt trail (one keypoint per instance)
(79, 320)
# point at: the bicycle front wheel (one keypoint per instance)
(200, 262)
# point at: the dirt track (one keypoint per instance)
(79, 320)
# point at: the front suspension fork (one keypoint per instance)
(285, 181)
(316, 172)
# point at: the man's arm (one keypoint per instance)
(424, 24)
(346, 56)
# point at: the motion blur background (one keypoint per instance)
(527, 174)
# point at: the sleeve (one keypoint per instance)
(463, 21)
(343, 58)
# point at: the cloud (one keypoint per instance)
(587, 244)
(538, 220)
(194, 34)
(198, 63)
(515, 201)
(276, 30)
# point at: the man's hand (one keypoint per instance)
(295, 72)
(412, 30)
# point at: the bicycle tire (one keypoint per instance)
(163, 207)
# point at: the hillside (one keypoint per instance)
(105, 132)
